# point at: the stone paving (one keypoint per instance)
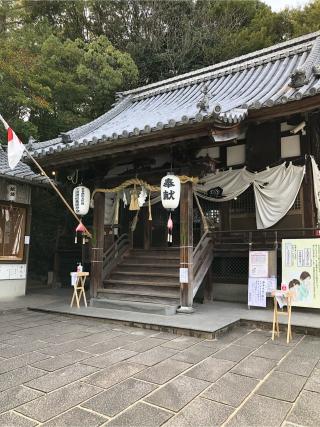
(60, 371)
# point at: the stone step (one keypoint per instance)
(139, 306)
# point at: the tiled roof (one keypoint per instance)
(261, 79)
(21, 172)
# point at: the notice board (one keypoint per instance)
(262, 276)
(13, 271)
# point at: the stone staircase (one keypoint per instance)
(143, 280)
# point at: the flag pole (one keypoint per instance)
(58, 192)
(5, 124)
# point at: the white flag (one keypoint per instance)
(15, 149)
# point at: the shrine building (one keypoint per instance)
(243, 136)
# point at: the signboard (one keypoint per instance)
(301, 270)
(258, 288)
(13, 271)
(184, 275)
(262, 276)
(258, 264)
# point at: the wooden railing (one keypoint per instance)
(114, 253)
(202, 259)
(252, 239)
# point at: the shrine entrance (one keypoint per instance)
(150, 234)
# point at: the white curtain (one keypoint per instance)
(316, 186)
(275, 189)
(274, 200)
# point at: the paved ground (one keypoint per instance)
(60, 371)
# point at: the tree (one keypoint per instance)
(67, 18)
(166, 38)
(50, 86)
(92, 48)
(304, 20)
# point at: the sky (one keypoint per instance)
(277, 5)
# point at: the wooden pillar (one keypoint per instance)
(308, 199)
(186, 246)
(97, 244)
(308, 194)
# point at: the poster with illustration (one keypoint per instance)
(301, 270)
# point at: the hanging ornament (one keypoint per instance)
(134, 205)
(81, 200)
(170, 229)
(80, 229)
(170, 191)
(116, 211)
(124, 199)
(134, 222)
(109, 208)
(142, 197)
(149, 203)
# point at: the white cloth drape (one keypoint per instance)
(275, 189)
(274, 200)
(316, 186)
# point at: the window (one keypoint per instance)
(290, 146)
(12, 230)
(244, 204)
(236, 155)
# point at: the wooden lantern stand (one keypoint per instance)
(275, 324)
(78, 290)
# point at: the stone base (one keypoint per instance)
(185, 310)
(142, 307)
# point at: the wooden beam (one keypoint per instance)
(126, 146)
(97, 244)
(186, 245)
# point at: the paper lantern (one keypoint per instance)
(81, 200)
(11, 192)
(170, 191)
